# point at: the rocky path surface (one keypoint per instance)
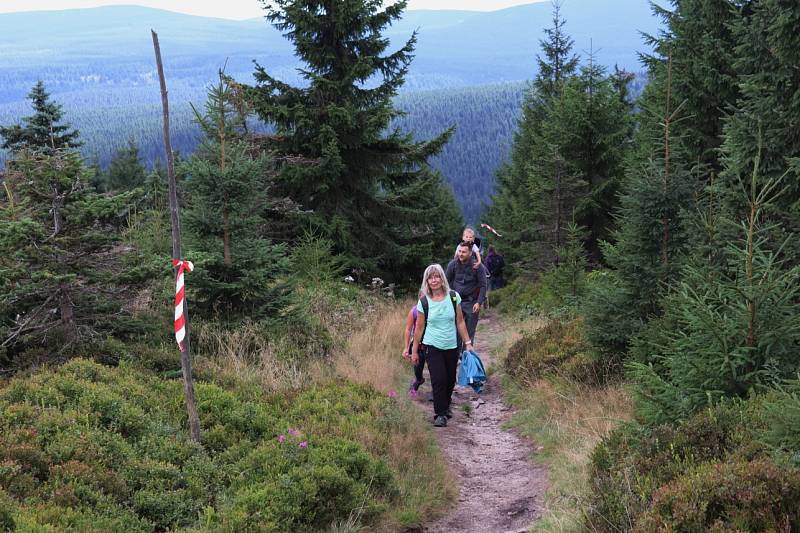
(500, 489)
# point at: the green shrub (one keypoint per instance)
(611, 318)
(752, 496)
(288, 488)
(7, 507)
(782, 420)
(634, 462)
(559, 349)
(155, 357)
(88, 447)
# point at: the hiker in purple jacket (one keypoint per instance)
(408, 341)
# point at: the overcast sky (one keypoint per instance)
(234, 9)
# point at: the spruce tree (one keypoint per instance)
(126, 170)
(42, 131)
(554, 179)
(699, 45)
(734, 324)
(59, 275)
(569, 277)
(227, 184)
(651, 239)
(558, 62)
(767, 55)
(537, 182)
(600, 136)
(371, 192)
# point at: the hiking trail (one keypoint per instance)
(501, 490)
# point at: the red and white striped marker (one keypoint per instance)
(487, 226)
(180, 295)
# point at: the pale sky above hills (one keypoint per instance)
(234, 9)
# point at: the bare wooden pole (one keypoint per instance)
(186, 360)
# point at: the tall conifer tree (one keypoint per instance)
(650, 242)
(735, 327)
(126, 170)
(767, 56)
(372, 193)
(227, 185)
(598, 136)
(42, 131)
(58, 274)
(699, 44)
(537, 181)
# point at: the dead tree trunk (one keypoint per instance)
(186, 360)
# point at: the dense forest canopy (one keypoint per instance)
(92, 82)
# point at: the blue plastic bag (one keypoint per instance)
(470, 371)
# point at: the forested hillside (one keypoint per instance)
(657, 238)
(98, 63)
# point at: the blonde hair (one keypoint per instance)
(424, 290)
(469, 230)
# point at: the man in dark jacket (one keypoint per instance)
(494, 264)
(470, 283)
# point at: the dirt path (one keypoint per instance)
(501, 490)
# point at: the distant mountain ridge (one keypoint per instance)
(99, 64)
(455, 48)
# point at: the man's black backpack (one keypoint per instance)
(424, 303)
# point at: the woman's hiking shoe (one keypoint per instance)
(440, 421)
(449, 413)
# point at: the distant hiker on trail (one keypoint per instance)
(470, 283)
(408, 343)
(494, 264)
(468, 236)
(439, 322)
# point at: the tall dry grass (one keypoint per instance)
(373, 354)
(244, 355)
(566, 419)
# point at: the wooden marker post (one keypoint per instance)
(186, 360)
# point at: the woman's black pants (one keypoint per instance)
(442, 365)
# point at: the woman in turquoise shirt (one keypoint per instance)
(439, 320)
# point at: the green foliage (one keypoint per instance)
(520, 297)
(567, 157)
(42, 131)
(754, 496)
(61, 281)
(648, 249)
(313, 259)
(126, 170)
(550, 295)
(239, 269)
(568, 277)
(87, 446)
(761, 123)
(781, 412)
(557, 349)
(371, 192)
(735, 328)
(634, 465)
(695, 56)
(556, 292)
